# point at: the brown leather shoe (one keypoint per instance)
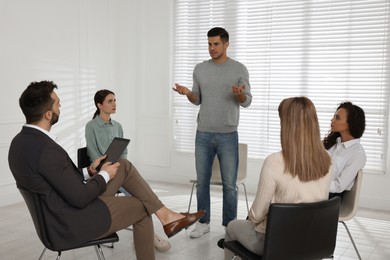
(175, 227)
(185, 214)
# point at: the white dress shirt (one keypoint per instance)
(347, 159)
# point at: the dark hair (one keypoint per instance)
(218, 31)
(356, 122)
(36, 100)
(99, 98)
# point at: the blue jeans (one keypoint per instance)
(125, 192)
(225, 146)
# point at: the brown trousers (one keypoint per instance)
(133, 210)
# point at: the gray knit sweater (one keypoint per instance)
(212, 83)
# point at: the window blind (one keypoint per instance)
(330, 51)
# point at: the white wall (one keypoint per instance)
(83, 46)
(123, 45)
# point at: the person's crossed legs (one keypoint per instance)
(137, 209)
(160, 243)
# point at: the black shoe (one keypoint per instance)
(220, 243)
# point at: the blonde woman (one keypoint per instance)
(298, 173)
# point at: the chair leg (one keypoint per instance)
(111, 246)
(43, 252)
(353, 242)
(246, 197)
(238, 192)
(192, 191)
(99, 252)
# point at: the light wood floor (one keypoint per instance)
(18, 240)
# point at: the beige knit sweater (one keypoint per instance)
(275, 186)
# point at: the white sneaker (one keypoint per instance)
(200, 230)
(161, 244)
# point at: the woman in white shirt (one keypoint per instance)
(298, 173)
(343, 144)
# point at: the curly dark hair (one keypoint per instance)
(36, 100)
(356, 122)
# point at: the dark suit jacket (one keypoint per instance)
(73, 211)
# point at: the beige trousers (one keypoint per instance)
(133, 210)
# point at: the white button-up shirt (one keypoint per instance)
(347, 159)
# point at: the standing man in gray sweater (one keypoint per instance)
(220, 87)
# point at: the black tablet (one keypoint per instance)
(114, 151)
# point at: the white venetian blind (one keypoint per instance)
(330, 51)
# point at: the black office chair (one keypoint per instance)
(297, 231)
(82, 158)
(35, 208)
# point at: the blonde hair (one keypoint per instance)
(303, 152)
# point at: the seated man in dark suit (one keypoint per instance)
(80, 204)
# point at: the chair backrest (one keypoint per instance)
(242, 165)
(301, 231)
(82, 158)
(350, 202)
(35, 208)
